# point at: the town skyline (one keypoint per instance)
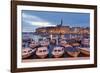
(32, 20)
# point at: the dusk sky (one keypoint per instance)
(34, 19)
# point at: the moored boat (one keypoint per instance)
(27, 52)
(85, 51)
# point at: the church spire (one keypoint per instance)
(60, 23)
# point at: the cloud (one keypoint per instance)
(31, 17)
(43, 24)
(31, 22)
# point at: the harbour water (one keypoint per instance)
(71, 43)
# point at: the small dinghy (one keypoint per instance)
(58, 51)
(27, 52)
(85, 51)
(73, 52)
(44, 43)
(42, 52)
(33, 44)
